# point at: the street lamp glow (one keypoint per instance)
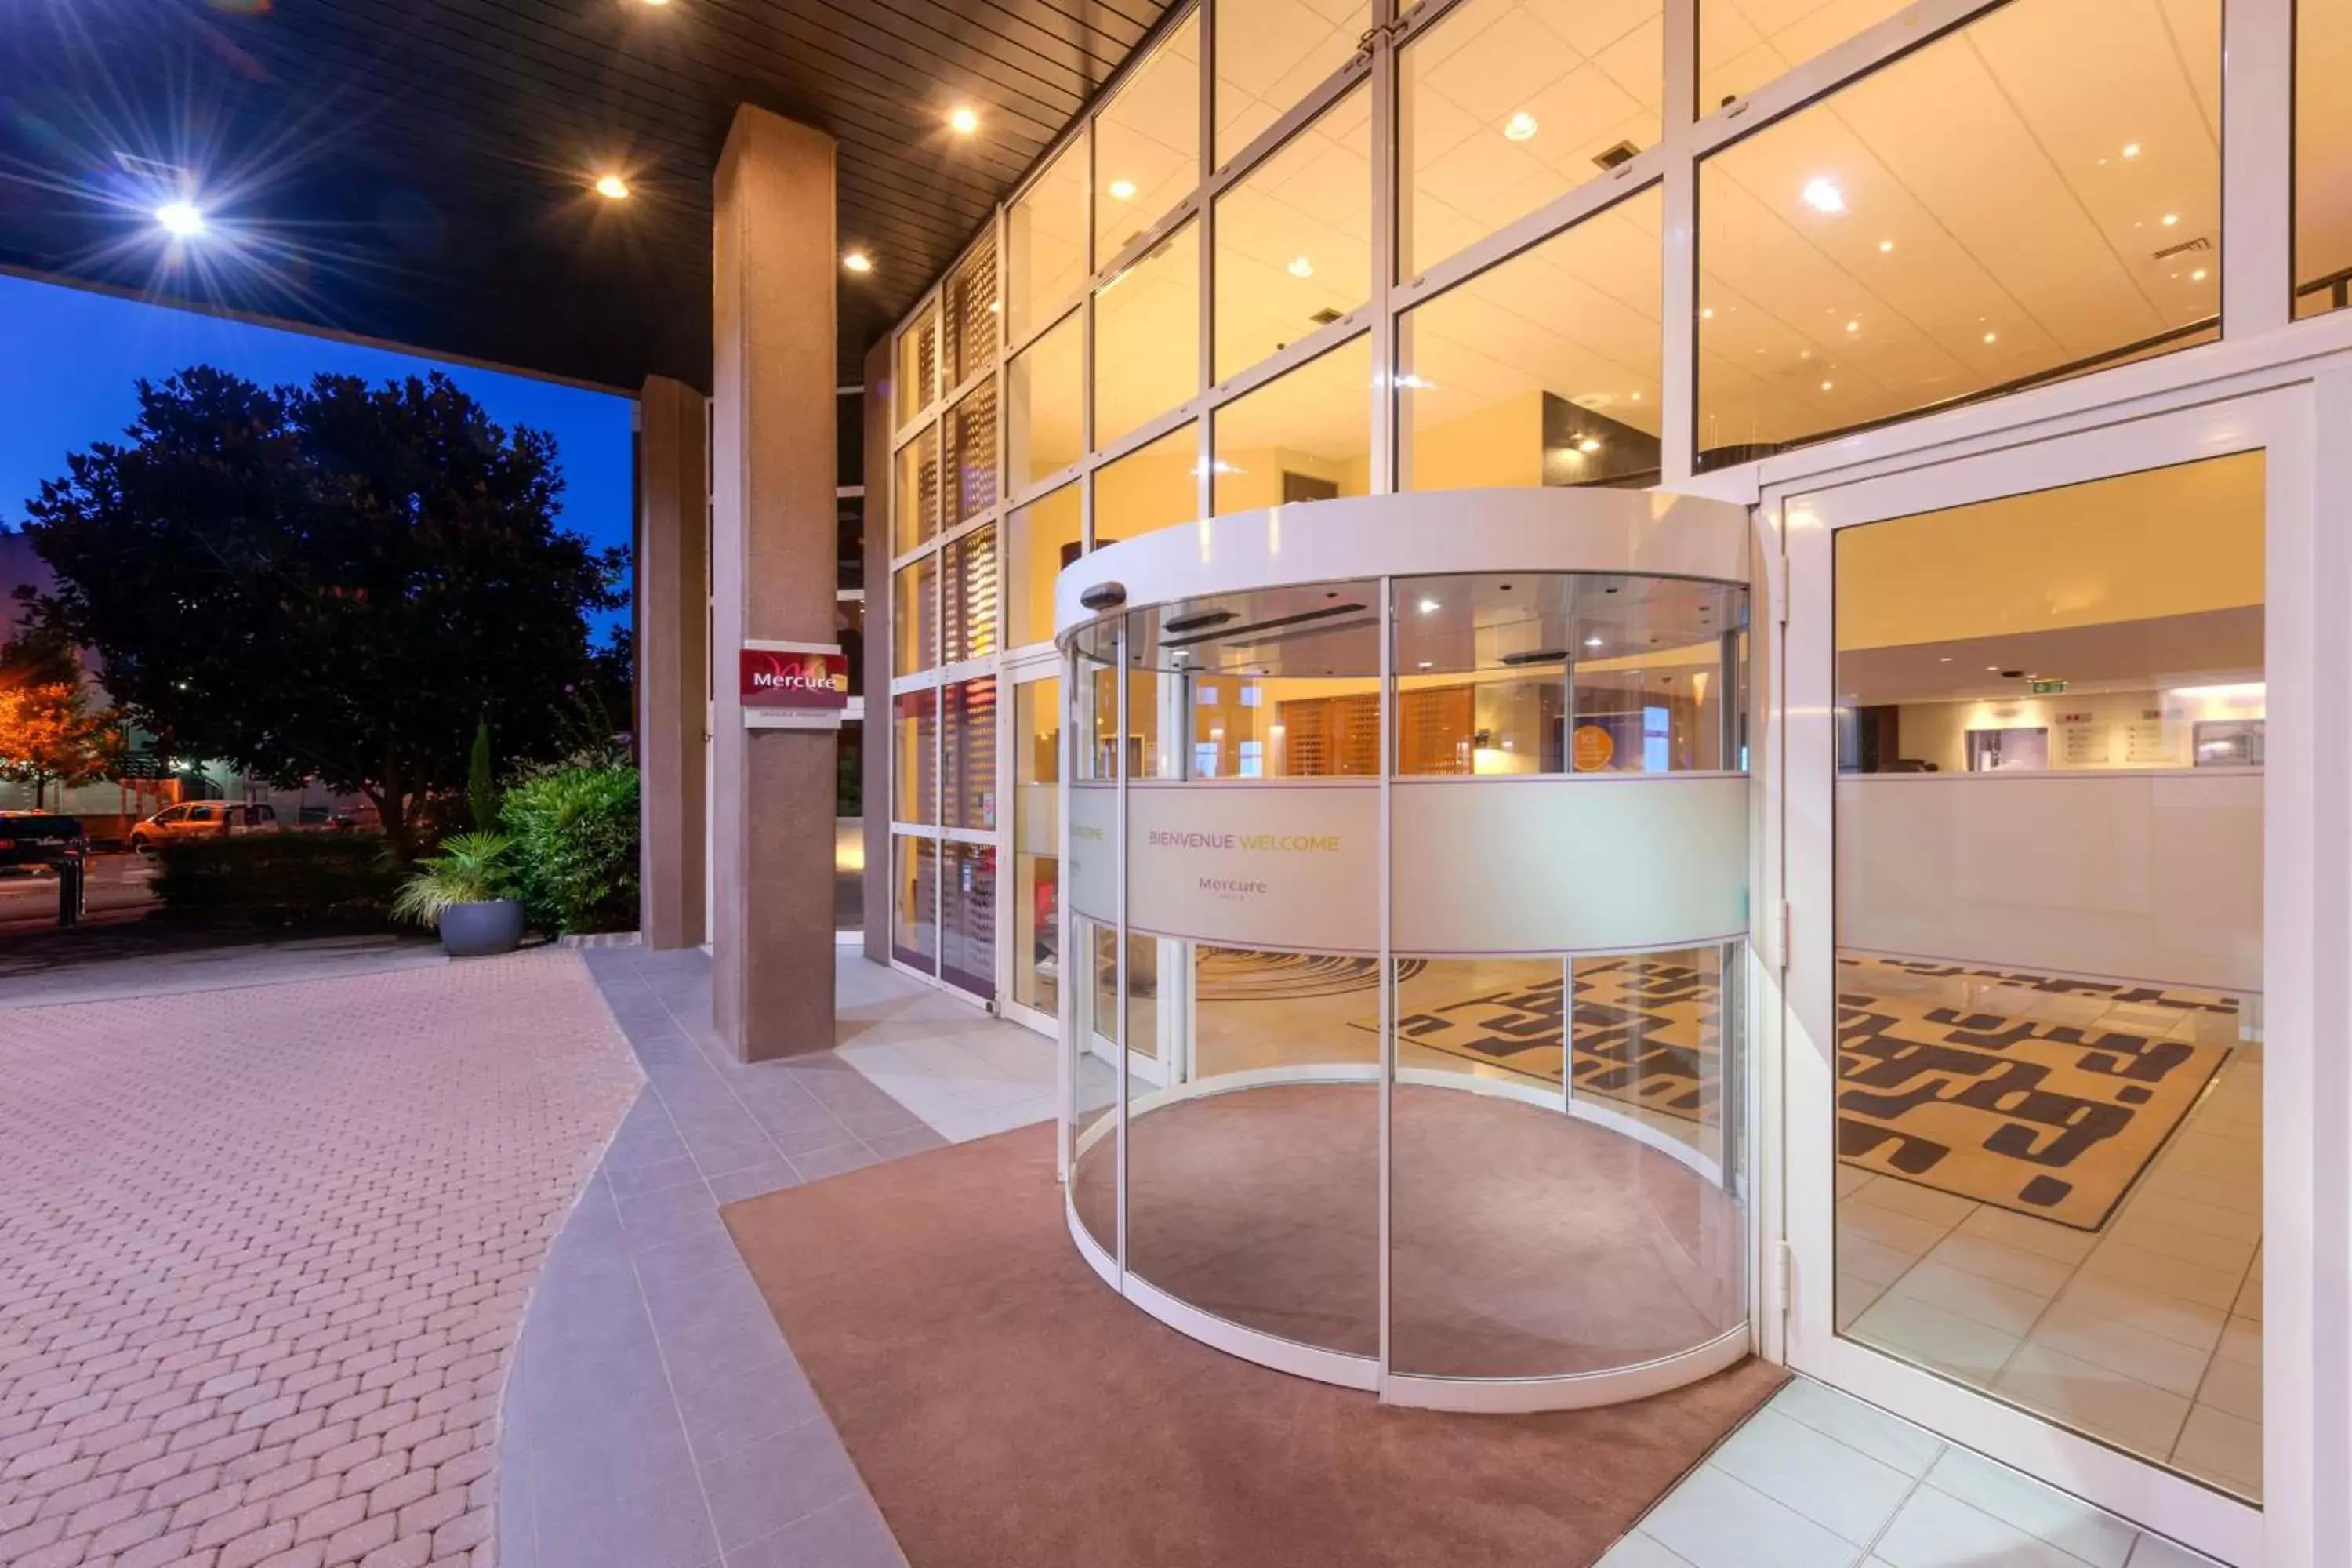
(181, 220)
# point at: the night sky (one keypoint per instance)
(71, 359)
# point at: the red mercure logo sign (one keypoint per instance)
(810, 679)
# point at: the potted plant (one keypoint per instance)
(463, 890)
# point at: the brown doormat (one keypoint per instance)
(1007, 1409)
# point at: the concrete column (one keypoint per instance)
(772, 572)
(672, 620)
(881, 606)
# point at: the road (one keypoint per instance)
(118, 890)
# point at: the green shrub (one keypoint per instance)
(468, 869)
(575, 848)
(279, 878)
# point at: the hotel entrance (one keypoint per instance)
(2043, 716)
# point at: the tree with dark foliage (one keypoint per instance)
(336, 581)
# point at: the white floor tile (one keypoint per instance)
(1967, 1349)
(2218, 1447)
(1889, 1227)
(2184, 1323)
(1713, 1520)
(2103, 1342)
(2234, 1388)
(1838, 1488)
(1889, 1439)
(1937, 1530)
(2093, 1398)
(1972, 1296)
(1873, 1260)
(2028, 1234)
(1639, 1551)
(1855, 1296)
(2154, 1231)
(2009, 1265)
(2167, 1275)
(2018, 1500)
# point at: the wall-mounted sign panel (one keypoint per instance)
(1290, 866)
(794, 686)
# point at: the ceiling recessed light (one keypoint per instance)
(1993, 337)
(2171, 218)
(1519, 127)
(1429, 606)
(611, 187)
(1853, 326)
(1823, 196)
(2197, 276)
(2131, 149)
(1637, 397)
(1707, 314)
(1827, 386)
(1424, 663)
(1592, 642)
(181, 219)
(1884, 245)
(1588, 445)
(1301, 267)
(963, 121)
(858, 261)
(1946, 659)
(1122, 190)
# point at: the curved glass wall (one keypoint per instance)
(1458, 909)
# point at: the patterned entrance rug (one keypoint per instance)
(2038, 1094)
(1966, 1080)
(1246, 975)
(1646, 1032)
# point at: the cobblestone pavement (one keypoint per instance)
(264, 1253)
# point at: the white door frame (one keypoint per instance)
(1044, 663)
(1804, 516)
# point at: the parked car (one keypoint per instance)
(200, 818)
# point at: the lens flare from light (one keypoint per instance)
(181, 220)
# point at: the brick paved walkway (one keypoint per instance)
(264, 1252)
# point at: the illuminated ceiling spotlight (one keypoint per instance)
(1823, 196)
(1301, 267)
(611, 187)
(1429, 606)
(963, 121)
(1519, 127)
(1853, 326)
(2131, 149)
(1588, 444)
(1592, 642)
(2199, 276)
(858, 261)
(2171, 218)
(1122, 190)
(1993, 337)
(1886, 246)
(1827, 386)
(181, 220)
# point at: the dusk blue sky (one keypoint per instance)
(74, 360)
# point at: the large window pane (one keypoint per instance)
(915, 903)
(1045, 538)
(1148, 337)
(1272, 53)
(969, 617)
(915, 616)
(1543, 371)
(918, 491)
(1295, 238)
(2323, 156)
(1036, 844)
(968, 752)
(1045, 241)
(1045, 391)
(1505, 104)
(1148, 143)
(968, 918)
(1743, 44)
(914, 756)
(1151, 488)
(919, 364)
(2049, 919)
(1305, 436)
(968, 305)
(972, 455)
(1860, 261)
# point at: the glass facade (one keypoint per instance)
(1289, 256)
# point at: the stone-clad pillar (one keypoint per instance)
(672, 616)
(772, 560)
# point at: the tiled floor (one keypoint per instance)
(1816, 1480)
(2147, 1335)
(263, 1250)
(656, 1417)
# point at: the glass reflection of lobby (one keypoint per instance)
(1233, 286)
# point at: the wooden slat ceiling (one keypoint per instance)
(418, 171)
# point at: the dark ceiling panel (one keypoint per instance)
(416, 171)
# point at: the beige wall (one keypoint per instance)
(2087, 732)
(1501, 444)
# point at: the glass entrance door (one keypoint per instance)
(2027, 969)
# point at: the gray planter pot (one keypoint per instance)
(481, 931)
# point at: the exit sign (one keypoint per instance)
(2048, 688)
